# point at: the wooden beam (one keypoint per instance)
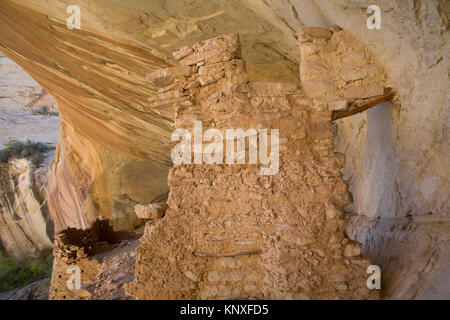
(363, 107)
(243, 252)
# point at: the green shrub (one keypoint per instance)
(31, 150)
(14, 274)
(4, 156)
(44, 111)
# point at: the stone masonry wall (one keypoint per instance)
(230, 232)
(93, 251)
(336, 70)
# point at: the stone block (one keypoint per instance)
(310, 33)
(338, 105)
(308, 49)
(360, 92)
(271, 116)
(219, 49)
(227, 262)
(164, 77)
(220, 292)
(273, 89)
(314, 67)
(352, 249)
(151, 211)
(332, 212)
(217, 276)
(355, 59)
(182, 52)
(355, 73)
(318, 88)
(342, 199)
(321, 116)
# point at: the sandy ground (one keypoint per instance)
(17, 90)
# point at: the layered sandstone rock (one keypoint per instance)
(25, 225)
(112, 153)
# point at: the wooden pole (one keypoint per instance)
(363, 107)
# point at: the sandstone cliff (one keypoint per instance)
(25, 226)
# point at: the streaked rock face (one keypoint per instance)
(25, 225)
(113, 152)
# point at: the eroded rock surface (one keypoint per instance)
(413, 252)
(25, 224)
(37, 290)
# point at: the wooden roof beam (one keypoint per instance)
(363, 107)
